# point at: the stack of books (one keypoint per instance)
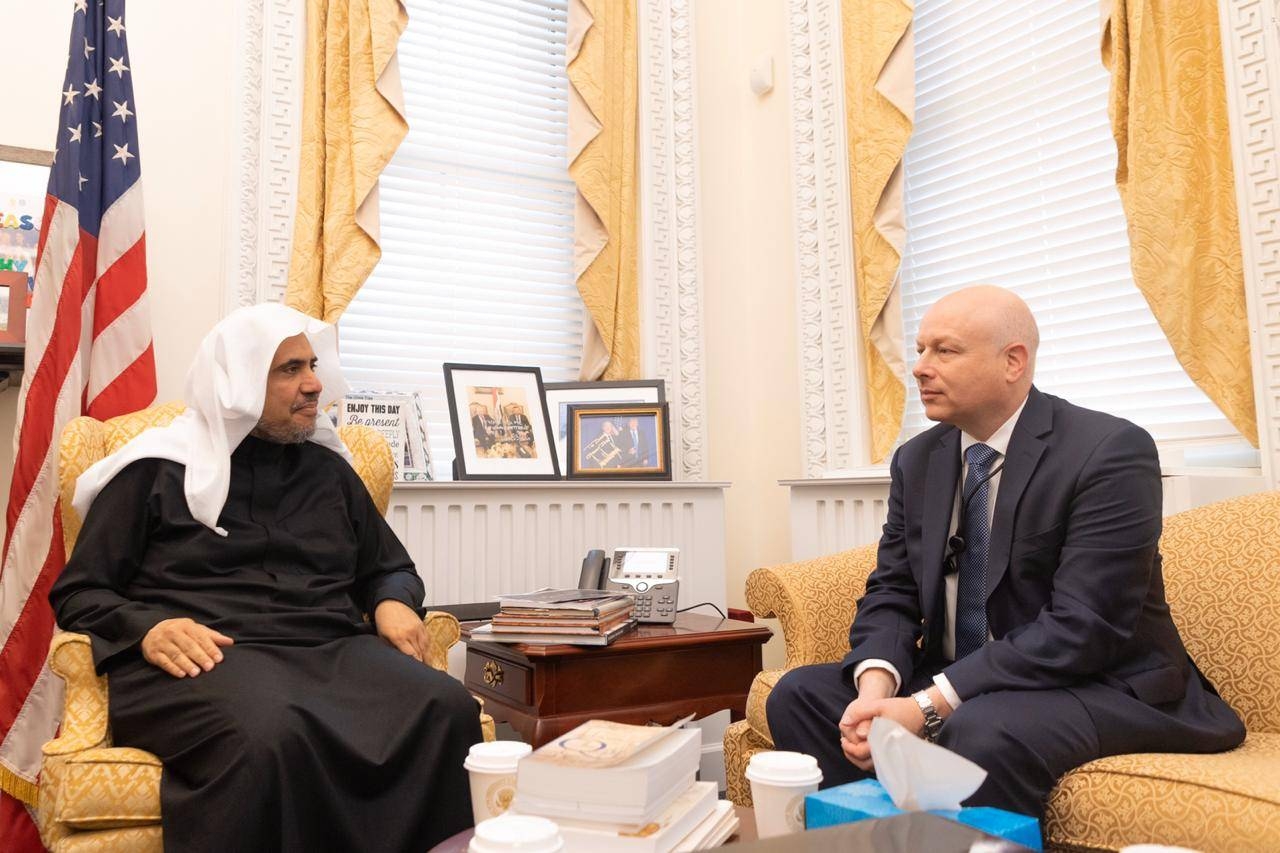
(584, 617)
(614, 788)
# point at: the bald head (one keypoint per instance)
(995, 314)
(976, 350)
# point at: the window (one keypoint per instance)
(1010, 180)
(477, 210)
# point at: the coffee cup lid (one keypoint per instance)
(496, 755)
(511, 832)
(783, 768)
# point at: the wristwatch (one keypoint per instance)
(932, 722)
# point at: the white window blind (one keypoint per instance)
(477, 210)
(1010, 181)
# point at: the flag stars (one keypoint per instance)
(118, 66)
(123, 111)
(82, 6)
(97, 129)
(122, 153)
(116, 25)
(88, 48)
(69, 96)
(92, 88)
(75, 133)
(83, 180)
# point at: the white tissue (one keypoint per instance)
(919, 775)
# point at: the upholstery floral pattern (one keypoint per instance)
(1222, 580)
(1224, 802)
(95, 797)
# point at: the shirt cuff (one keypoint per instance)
(948, 692)
(877, 663)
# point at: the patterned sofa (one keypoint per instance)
(96, 797)
(1222, 576)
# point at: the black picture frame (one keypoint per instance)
(595, 453)
(473, 457)
(560, 395)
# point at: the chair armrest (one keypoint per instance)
(84, 715)
(444, 631)
(815, 602)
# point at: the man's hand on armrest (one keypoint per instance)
(183, 647)
(402, 628)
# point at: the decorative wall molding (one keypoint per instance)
(1251, 52)
(266, 117)
(834, 421)
(670, 243)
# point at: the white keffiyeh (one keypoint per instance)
(226, 389)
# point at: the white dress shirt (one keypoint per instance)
(999, 442)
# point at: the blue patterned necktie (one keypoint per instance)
(971, 594)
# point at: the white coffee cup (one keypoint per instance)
(779, 783)
(492, 767)
(516, 833)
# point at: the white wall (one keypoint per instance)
(750, 279)
(183, 87)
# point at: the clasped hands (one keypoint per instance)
(876, 688)
(184, 647)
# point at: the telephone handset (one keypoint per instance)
(648, 574)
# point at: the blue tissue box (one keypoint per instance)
(868, 799)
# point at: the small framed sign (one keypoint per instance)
(398, 416)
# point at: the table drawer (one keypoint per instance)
(489, 674)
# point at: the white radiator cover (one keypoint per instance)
(830, 515)
(475, 540)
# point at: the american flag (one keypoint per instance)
(88, 351)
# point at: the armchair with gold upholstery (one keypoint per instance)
(97, 797)
(1222, 580)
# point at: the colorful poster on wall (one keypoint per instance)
(22, 191)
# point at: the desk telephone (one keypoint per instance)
(649, 574)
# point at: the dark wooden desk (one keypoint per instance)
(654, 674)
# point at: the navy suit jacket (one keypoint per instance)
(1074, 588)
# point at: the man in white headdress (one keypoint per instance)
(222, 572)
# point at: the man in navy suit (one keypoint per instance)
(636, 444)
(1016, 613)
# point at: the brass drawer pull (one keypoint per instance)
(492, 673)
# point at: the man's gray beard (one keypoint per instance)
(284, 434)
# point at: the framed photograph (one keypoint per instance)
(622, 442)
(398, 416)
(500, 426)
(560, 395)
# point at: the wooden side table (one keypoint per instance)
(654, 674)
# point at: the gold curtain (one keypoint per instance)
(352, 122)
(1169, 117)
(879, 89)
(601, 55)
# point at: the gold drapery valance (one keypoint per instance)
(601, 57)
(879, 89)
(1169, 117)
(353, 121)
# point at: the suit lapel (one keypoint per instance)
(939, 499)
(1025, 450)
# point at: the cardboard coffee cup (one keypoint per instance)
(779, 783)
(513, 833)
(492, 768)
